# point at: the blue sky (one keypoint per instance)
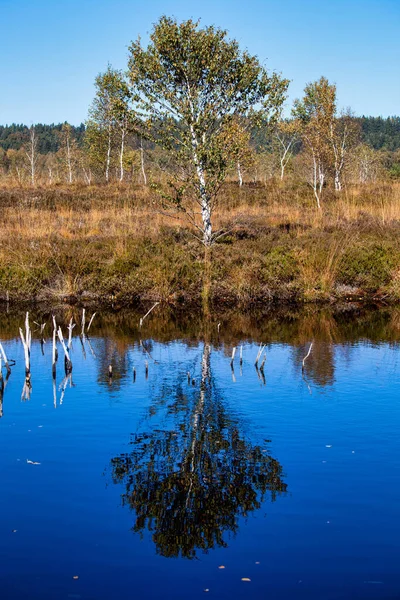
(51, 50)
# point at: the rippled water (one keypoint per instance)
(234, 483)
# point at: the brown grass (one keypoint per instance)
(111, 242)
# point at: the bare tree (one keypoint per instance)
(142, 162)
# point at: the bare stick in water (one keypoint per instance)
(147, 314)
(27, 387)
(3, 354)
(68, 363)
(260, 351)
(25, 342)
(233, 355)
(70, 328)
(83, 322)
(91, 321)
(307, 355)
(54, 355)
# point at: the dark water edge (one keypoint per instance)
(286, 323)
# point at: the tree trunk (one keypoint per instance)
(207, 281)
(108, 159)
(282, 170)
(69, 164)
(142, 163)
(239, 170)
(121, 156)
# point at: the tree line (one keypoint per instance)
(376, 133)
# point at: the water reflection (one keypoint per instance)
(190, 482)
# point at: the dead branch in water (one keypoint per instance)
(307, 355)
(147, 314)
(67, 359)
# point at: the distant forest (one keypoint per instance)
(377, 132)
(13, 137)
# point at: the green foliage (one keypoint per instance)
(191, 87)
(279, 266)
(394, 171)
(368, 265)
(380, 133)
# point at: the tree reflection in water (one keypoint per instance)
(190, 484)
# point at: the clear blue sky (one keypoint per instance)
(51, 50)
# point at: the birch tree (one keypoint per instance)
(286, 135)
(68, 151)
(189, 86)
(344, 136)
(108, 123)
(316, 113)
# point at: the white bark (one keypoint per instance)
(121, 154)
(88, 175)
(31, 153)
(339, 147)
(317, 182)
(108, 157)
(239, 170)
(142, 163)
(285, 153)
(204, 198)
(69, 160)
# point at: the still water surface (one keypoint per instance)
(231, 484)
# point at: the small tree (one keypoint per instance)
(68, 147)
(189, 87)
(316, 113)
(108, 119)
(344, 136)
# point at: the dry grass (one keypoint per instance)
(113, 242)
